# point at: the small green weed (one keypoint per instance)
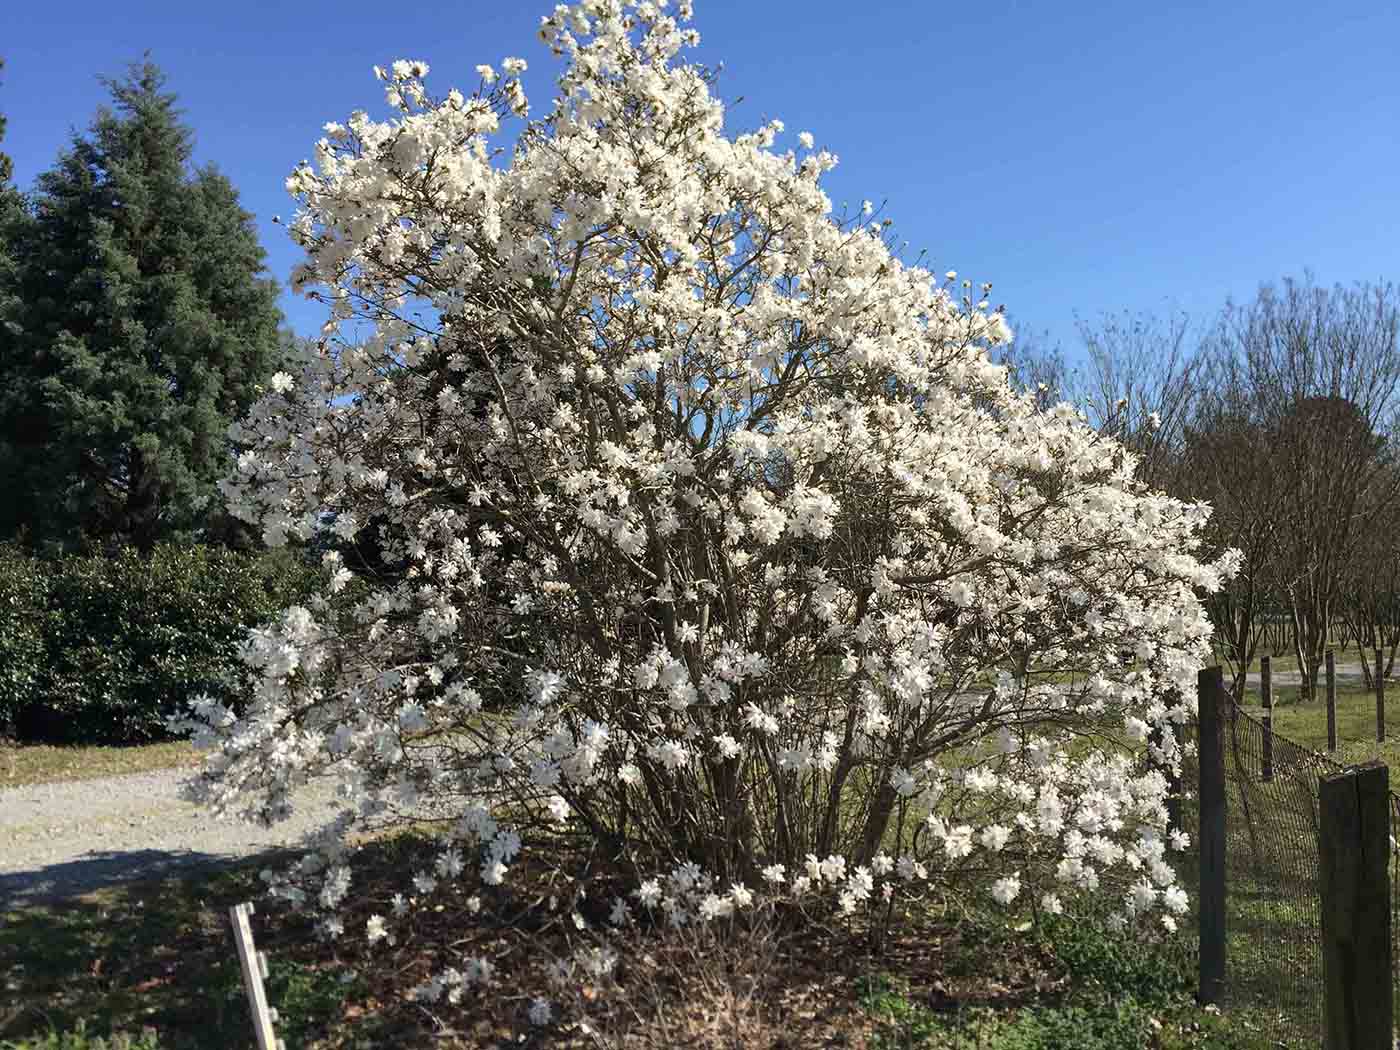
(307, 999)
(78, 1039)
(905, 1024)
(1116, 967)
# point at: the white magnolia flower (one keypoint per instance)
(994, 837)
(1005, 890)
(375, 930)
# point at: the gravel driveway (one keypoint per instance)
(1347, 675)
(62, 839)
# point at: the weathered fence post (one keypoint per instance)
(1380, 700)
(1331, 701)
(254, 966)
(1353, 852)
(1266, 693)
(1210, 690)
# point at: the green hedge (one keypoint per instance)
(23, 605)
(100, 649)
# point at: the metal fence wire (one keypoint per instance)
(1274, 981)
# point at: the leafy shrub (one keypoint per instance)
(99, 649)
(23, 601)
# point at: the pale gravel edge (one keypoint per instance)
(68, 838)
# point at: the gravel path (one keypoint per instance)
(58, 840)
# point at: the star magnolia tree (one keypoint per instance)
(721, 545)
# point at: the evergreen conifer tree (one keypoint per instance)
(147, 323)
(13, 220)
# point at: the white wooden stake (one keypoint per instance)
(254, 964)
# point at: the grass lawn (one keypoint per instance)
(155, 955)
(22, 764)
(1306, 724)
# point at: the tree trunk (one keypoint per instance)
(876, 822)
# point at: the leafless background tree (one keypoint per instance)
(1281, 412)
(1141, 382)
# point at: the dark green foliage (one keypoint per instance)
(24, 603)
(102, 649)
(13, 218)
(1121, 966)
(146, 326)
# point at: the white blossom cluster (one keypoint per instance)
(710, 528)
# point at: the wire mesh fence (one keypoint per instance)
(1274, 979)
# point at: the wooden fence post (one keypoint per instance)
(1380, 700)
(1210, 689)
(1353, 853)
(1266, 693)
(254, 966)
(1331, 700)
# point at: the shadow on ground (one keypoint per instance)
(142, 938)
(104, 869)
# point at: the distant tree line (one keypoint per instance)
(1281, 413)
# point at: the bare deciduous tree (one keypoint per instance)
(1322, 370)
(1143, 374)
(1227, 463)
(1037, 366)
(1369, 606)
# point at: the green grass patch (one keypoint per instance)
(1305, 723)
(1117, 993)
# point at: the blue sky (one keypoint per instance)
(1084, 157)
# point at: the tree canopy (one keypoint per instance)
(12, 218)
(147, 324)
